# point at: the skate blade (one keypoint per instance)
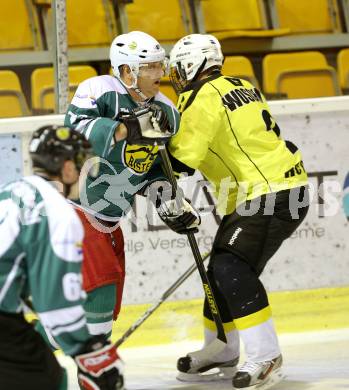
(276, 377)
(216, 374)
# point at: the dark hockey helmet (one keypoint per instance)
(51, 145)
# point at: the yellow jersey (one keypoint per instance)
(228, 133)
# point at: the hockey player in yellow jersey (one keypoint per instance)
(228, 133)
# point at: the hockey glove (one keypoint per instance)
(146, 125)
(173, 208)
(159, 118)
(99, 366)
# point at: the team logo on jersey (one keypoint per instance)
(139, 158)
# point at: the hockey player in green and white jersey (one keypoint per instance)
(112, 112)
(40, 259)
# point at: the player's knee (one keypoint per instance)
(230, 270)
(233, 276)
(240, 285)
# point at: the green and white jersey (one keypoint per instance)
(124, 168)
(40, 256)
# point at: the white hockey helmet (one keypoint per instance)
(192, 55)
(133, 49)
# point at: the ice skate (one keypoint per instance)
(259, 376)
(201, 366)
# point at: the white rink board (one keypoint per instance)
(316, 256)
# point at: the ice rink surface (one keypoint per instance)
(312, 361)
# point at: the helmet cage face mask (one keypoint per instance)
(178, 77)
(184, 72)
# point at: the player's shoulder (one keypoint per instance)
(200, 90)
(99, 85)
(199, 93)
(16, 196)
(19, 191)
(64, 225)
(160, 97)
(225, 83)
(57, 208)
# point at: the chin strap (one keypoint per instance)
(140, 93)
(200, 69)
(134, 86)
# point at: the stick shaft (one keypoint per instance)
(163, 298)
(196, 253)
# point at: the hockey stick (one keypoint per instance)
(166, 163)
(162, 299)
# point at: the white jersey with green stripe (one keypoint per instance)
(124, 169)
(40, 257)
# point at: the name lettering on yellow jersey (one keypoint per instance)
(241, 96)
(298, 169)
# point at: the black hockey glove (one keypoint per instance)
(146, 125)
(174, 209)
(159, 118)
(99, 366)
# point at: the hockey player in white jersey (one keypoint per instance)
(107, 110)
(40, 259)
